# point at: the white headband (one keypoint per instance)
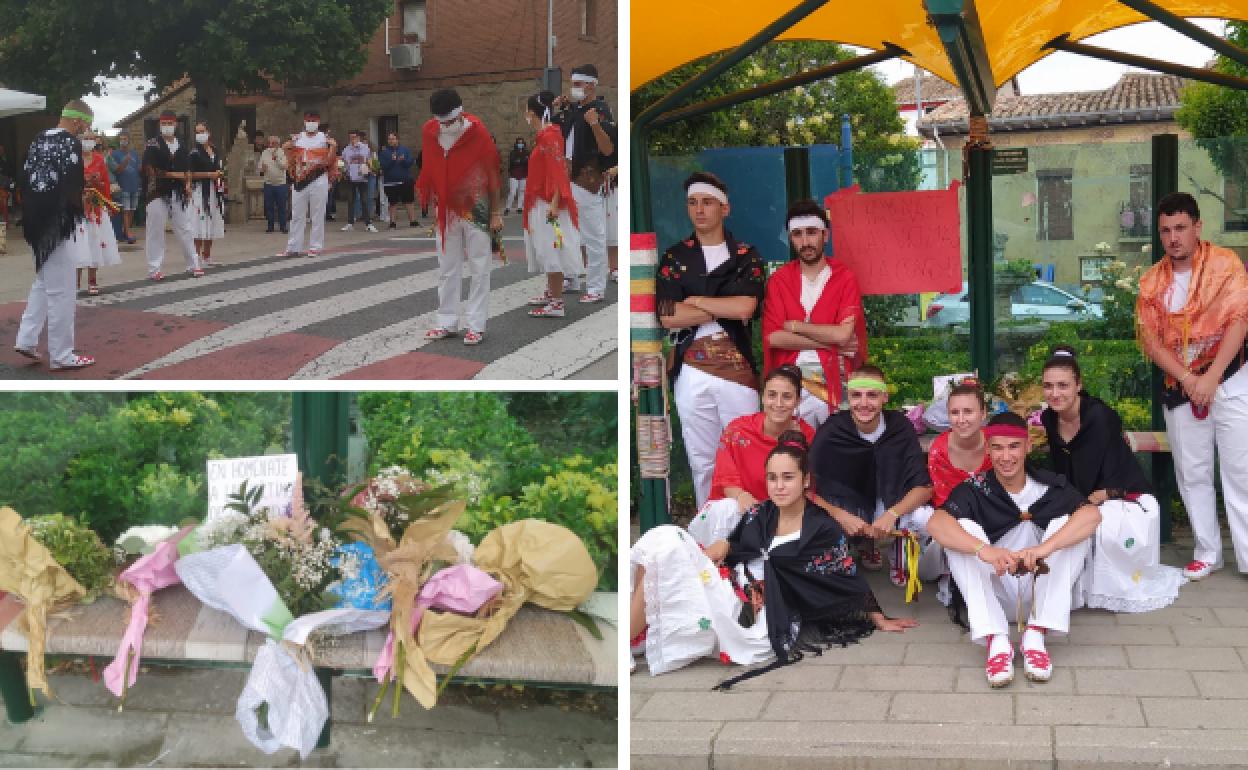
(1057, 353)
(584, 79)
(455, 113)
(801, 223)
(707, 189)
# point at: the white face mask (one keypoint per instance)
(310, 126)
(201, 138)
(453, 131)
(88, 145)
(577, 93)
(167, 130)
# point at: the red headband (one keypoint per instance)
(794, 444)
(1005, 431)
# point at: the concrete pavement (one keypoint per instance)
(1167, 688)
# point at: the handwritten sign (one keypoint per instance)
(899, 242)
(276, 473)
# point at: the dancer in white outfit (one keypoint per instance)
(207, 198)
(311, 158)
(97, 228)
(1016, 539)
(166, 164)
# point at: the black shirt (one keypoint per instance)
(682, 273)
(982, 499)
(852, 473)
(1097, 457)
(571, 122)
(158, 157)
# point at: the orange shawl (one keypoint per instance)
(1217, 298)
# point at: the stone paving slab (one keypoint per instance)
(1133, 746)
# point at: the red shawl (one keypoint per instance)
(548, 173)
(840, 299)
(95, 175)
(742, 455)
(462, 178)
(945, 475)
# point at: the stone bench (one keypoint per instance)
(538, 647)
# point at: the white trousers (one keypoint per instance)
(182, 218)
(813, 409)
(706, 404)
(308, 212)
(992, 601)
(51, 303)
(612, 200)
(515, 194)
(1193, 443)
(462, 244)
(715, 521)
(591, 213)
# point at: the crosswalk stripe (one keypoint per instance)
(293, 318)
(407, 336)
(215, 276)
(205, 302)
(560, 353)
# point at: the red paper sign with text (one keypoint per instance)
(898, 242)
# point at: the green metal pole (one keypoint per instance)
(13, 688)
(1165, 181)
(642, 220)
(319, 433)
(796, 179)
(326, 678)
(979, 260)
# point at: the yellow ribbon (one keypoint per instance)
(911, 551)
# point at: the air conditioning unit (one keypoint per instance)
(405, 57)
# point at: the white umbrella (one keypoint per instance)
(17, 102)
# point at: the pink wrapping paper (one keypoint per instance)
(462, 588)
(149, 574)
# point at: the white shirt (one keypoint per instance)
(317, 141)
(714, 257)
(873, 437)
(173, 145)
(811, 292)
(756, 565)
(1031, 492)
(1176, 299)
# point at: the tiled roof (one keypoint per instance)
(1136, 97)
(934, 90)
(177, 87)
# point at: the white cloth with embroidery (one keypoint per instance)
(691, 612)
(1124, 572)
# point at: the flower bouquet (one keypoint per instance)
(273, 570)
(50, 563)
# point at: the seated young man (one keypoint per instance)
(871, 475)
(995, 528)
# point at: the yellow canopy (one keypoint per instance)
(668, 34)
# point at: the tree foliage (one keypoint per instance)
(58, 48)
(1218, 116)
(884, 158)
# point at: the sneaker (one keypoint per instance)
(313, 253)
(1037, 666)
(30, 353)
(269, 230)
(542, 300)
(156, 276)
(394, 225)
(999, 668)
(590, 296)
(553, 309)
(870, 557)
(370, 227)
(77, 362)
(614, 275)
(473, 338)
(347, 227)
(897, 575)
(571, 285)
(637, 645)
(1196, 569)
(414, 224)
(196, 272)
(438, 333)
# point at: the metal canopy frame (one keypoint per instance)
(959, 30)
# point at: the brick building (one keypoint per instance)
(492, 51)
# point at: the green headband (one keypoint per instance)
(867, 383)
(68, 113)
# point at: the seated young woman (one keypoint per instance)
(1124, 571)
(801, 589)
(738, 483)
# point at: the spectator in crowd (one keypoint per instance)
(356, 155)
(396, 182)
(7, 184)
(125, 166)
(517, 170)
(272, 167)
(331, 202)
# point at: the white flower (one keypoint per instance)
(744, 125)
(462, 545)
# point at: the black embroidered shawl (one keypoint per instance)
(852, 473)
(981, 498)
(1098, 456)
(158, 157)
(682, 273)
(812, 590)
(52, 185)
(201, 161)
(571, 122)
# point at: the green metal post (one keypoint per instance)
(13, 688)
(1165, 181)
(319, 433)
(326, 677)
(979, 259)
(642, 220)
(796, 178)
